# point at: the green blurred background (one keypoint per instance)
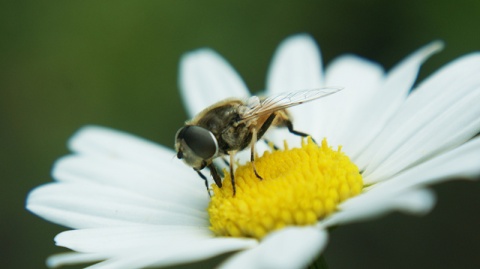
(65, 64)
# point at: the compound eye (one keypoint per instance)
(200, 141)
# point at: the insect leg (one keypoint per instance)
(225, 161)
(266, 125)
(204, 179)
(252, 152)
(214, 173)
(232, 174)
(268, 142)
(289, 125)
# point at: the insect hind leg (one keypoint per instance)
(289, 126)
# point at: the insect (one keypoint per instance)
(232, 125)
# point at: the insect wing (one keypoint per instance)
(286, 100)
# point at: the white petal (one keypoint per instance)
(164, 182)
(71, 258)
(288, 248)
(101, 141)
(400, 192)
(296, 65)
(116, 239)
(460, 163)
(373, 205)
(191, 252)
(345, 110)
(393, 93)
(441, 114)
(125, 148)
(89, 206)
(206, 78)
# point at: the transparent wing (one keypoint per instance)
(285, 100)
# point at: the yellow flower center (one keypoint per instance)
(300, 186)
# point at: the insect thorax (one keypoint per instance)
(222, 121)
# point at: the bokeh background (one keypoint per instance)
(65, 64)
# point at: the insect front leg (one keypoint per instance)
(215, 176)
(205, 180)
(225, 161)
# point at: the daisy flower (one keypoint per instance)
(382, 141)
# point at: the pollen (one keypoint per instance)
(300, 186)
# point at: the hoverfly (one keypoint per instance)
(233, 124)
